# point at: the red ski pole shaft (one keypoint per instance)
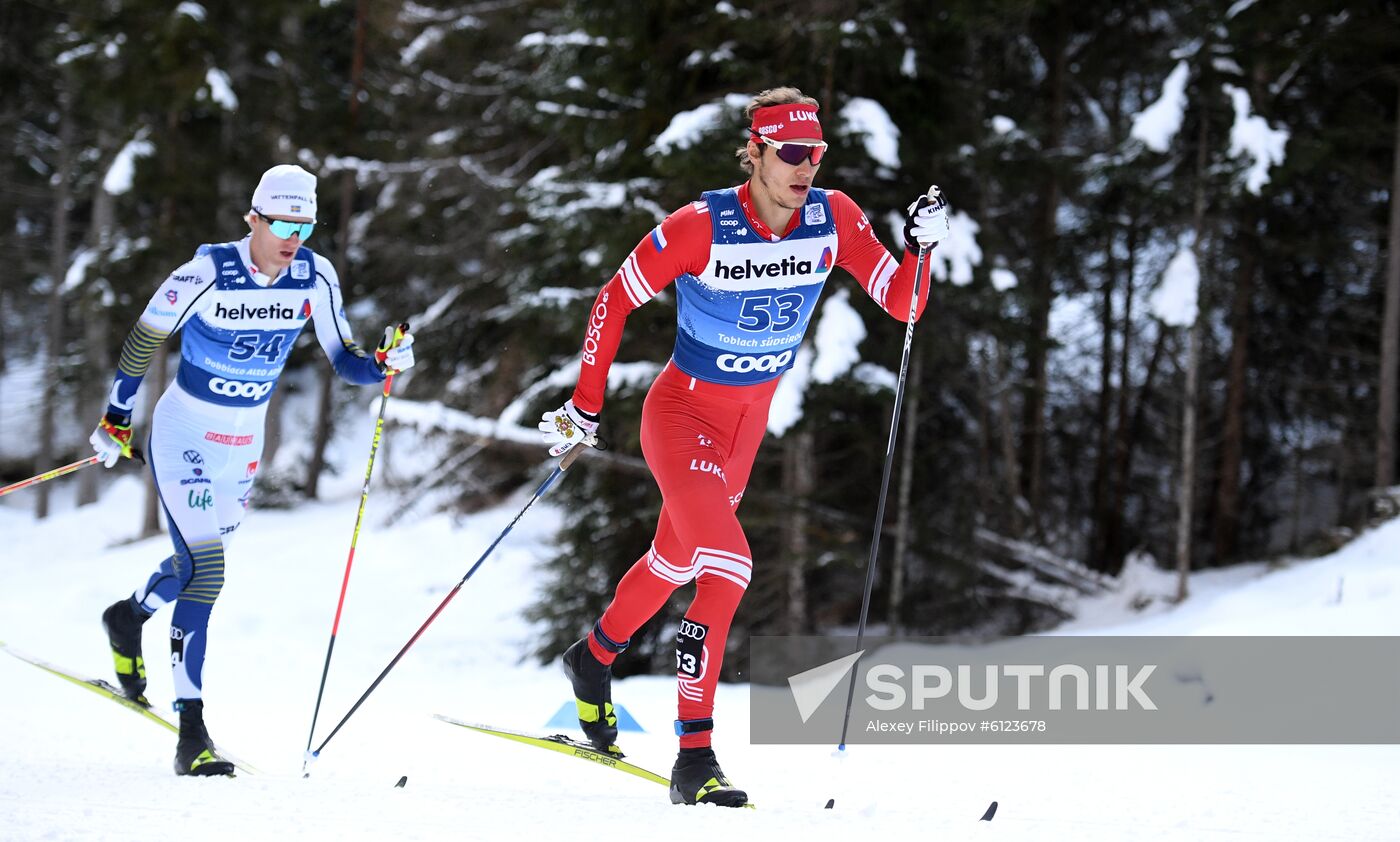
(553, 477)
(48, 475)
(350, 559)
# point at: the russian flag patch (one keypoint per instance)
(658, 239)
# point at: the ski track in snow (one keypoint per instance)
(75, 766)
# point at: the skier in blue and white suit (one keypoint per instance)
(241, 307)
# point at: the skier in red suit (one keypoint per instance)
(749, 264)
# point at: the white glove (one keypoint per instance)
(928, 220)
(111, 442)
(395, 352)
(567, 426)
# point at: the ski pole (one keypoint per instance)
(54, 474)
(549, 481)
(350, 559)
(884, 487)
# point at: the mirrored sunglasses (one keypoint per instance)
(791, 152)
(283, 229)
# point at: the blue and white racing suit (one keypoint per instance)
(206, 437)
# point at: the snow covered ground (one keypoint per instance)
(74, 766)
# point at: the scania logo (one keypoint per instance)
(743, 365)
(238, 388)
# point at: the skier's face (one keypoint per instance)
(787, 184)
(267, 247)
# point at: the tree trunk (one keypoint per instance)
(1041, 287)
(58, 268)
(325, 405)
(1103, 414)
(1186, 498)
(96, 330)
(156, 378)
(1124, 436)
(799, 481)
(904, 525)
(155, 383)
(1227, 496)
(1390, 334)
(1008, 448)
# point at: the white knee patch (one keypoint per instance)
(726, 565)
(663, 569)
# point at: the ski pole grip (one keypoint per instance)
(569, 458)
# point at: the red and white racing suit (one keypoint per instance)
(744, 298)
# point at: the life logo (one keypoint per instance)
(240, 389)
(745, 364)
(201, 499)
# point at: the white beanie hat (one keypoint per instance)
(286, 190)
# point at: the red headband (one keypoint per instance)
(787, 122)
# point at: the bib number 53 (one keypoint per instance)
(776, 313)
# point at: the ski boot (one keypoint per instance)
(195, 754)
(123, 621)
(697, 779)
(592, 681)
